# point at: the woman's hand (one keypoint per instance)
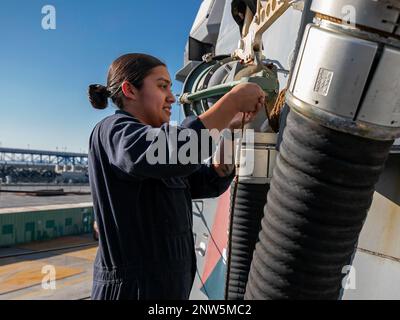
(236, 122)
(247, 97)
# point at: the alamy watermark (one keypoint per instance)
(49, 280)
(183, 146)
(349, 16)
(349, 281)
(49, 19)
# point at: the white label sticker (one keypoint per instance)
(323, 82)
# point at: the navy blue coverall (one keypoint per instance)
(144, 211)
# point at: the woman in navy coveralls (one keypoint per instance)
(144, 211)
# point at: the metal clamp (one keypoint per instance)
(250, 46)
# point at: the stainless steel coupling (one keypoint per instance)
(347, 75)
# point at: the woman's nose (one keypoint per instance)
(171, 98)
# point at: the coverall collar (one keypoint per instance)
(127, 114)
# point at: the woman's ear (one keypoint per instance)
(129, 90)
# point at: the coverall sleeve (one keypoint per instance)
(206, 183)
(135, 148)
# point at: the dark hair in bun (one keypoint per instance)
(98, 96)
(132, 67)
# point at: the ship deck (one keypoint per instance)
(24, 269)
(21, 199)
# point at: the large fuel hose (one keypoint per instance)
(321, 190)
(247, 210)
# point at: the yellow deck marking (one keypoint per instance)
(40, 293)
(87, 254)
(56, 243)
(32, 275)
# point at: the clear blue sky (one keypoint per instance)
(44, 74)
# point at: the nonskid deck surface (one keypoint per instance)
(74, 194)
(24, 268)
(27, 271)
(21, 265)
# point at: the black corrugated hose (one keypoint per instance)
(320, 193)
(247, 210)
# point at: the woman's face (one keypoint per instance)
(155, 98)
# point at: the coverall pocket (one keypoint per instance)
(175, 205)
